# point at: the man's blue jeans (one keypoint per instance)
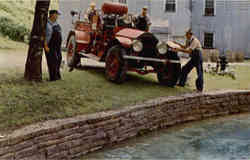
(195, 61)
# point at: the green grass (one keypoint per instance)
(80, 92)
(217, 82)
(87, 91)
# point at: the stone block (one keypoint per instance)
(27, 152)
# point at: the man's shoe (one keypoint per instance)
(180, 85)
(198, 91)
(58, 79)
(79, 65)
(71, 69)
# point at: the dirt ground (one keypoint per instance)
(16, 59)
(12, 59)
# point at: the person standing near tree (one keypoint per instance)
(52, 46)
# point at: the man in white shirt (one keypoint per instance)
(194, 49)
(91, 11)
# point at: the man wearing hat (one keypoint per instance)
(91, 12)
(52, 46)
(194, 49)
(143, 21)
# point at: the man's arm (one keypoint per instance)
(46, 47)
(182, 46)
(190, 48)
(188, 51)
(148, 21)
(194, 44)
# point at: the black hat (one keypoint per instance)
(54, 12)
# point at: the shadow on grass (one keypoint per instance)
(88, 67)
(16, 79)
(6, 48)
(97, 71)
(12, 78)
(131, 78)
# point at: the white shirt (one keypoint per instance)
(146, 17)
(49, 30)
(195, 44)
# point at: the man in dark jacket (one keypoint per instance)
(143, 21)
(53, 46)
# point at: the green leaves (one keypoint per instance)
(13, 30)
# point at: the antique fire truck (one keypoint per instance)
(111, 39)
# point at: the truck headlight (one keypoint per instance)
(137, 46)
(162, 47)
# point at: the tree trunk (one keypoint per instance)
(33, 67)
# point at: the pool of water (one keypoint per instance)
(225, 138)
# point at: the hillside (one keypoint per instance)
(16, 19)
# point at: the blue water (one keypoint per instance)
(218, 139)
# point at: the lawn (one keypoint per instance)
(80, 92)
(217, 82)
(87, 91)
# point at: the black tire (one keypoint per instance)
(116, 66)
(72, 58)
(170, 74)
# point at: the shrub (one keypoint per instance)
(239, 56)
(14, 31)
(210, 55)
(215, 55)
(230, 56)
(5, 8)
(206, 55)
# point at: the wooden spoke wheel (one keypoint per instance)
(72, 57)
(169, 75)
(115, 70)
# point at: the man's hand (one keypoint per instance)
(188, 51)
(46, 48)
(176, 42)
(182, 46)
(175, 49)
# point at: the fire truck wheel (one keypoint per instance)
(170, 74)
(73, 58)
(116, 67)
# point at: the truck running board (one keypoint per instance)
(90, 55)
(151, 59)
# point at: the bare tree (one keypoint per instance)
(33, 67)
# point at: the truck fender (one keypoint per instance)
(125, 42)
(80, 36)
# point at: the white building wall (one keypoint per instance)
(230, 25)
